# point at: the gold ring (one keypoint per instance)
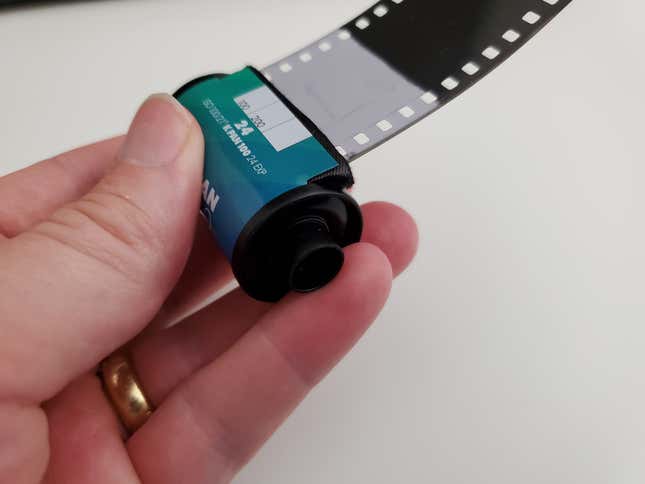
(124, 391)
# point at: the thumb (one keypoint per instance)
(87, 280)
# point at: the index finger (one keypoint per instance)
(30, 195)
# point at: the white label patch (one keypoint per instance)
(280, 127)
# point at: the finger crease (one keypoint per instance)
(141, 225)
(301, 378)
(94, 255)
(218, 433)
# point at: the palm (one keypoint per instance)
(222, 380)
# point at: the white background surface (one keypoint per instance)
(512, 352)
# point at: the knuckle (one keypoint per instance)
(120, 217)
(14, 218)
(64, 174)
(110, 229)
(223, 439)
(298, 375)
(11, 224)
(68, 232)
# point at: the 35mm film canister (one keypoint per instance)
(274, 186)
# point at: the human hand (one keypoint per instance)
(93, 246)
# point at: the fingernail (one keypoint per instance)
(158, 132)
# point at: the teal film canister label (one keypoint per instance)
(256, 149)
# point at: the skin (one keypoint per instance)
(98, 249)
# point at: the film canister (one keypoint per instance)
(274, 186)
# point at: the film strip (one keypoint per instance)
(401, 60)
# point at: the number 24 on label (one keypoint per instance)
(244, 128)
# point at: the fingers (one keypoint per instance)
(89, 278)
(213, 423)
(86, 445)
(29, 196)
(23, 443)
(206, 271)
(166, 358)
(393, 230)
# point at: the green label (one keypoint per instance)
(256, 150)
